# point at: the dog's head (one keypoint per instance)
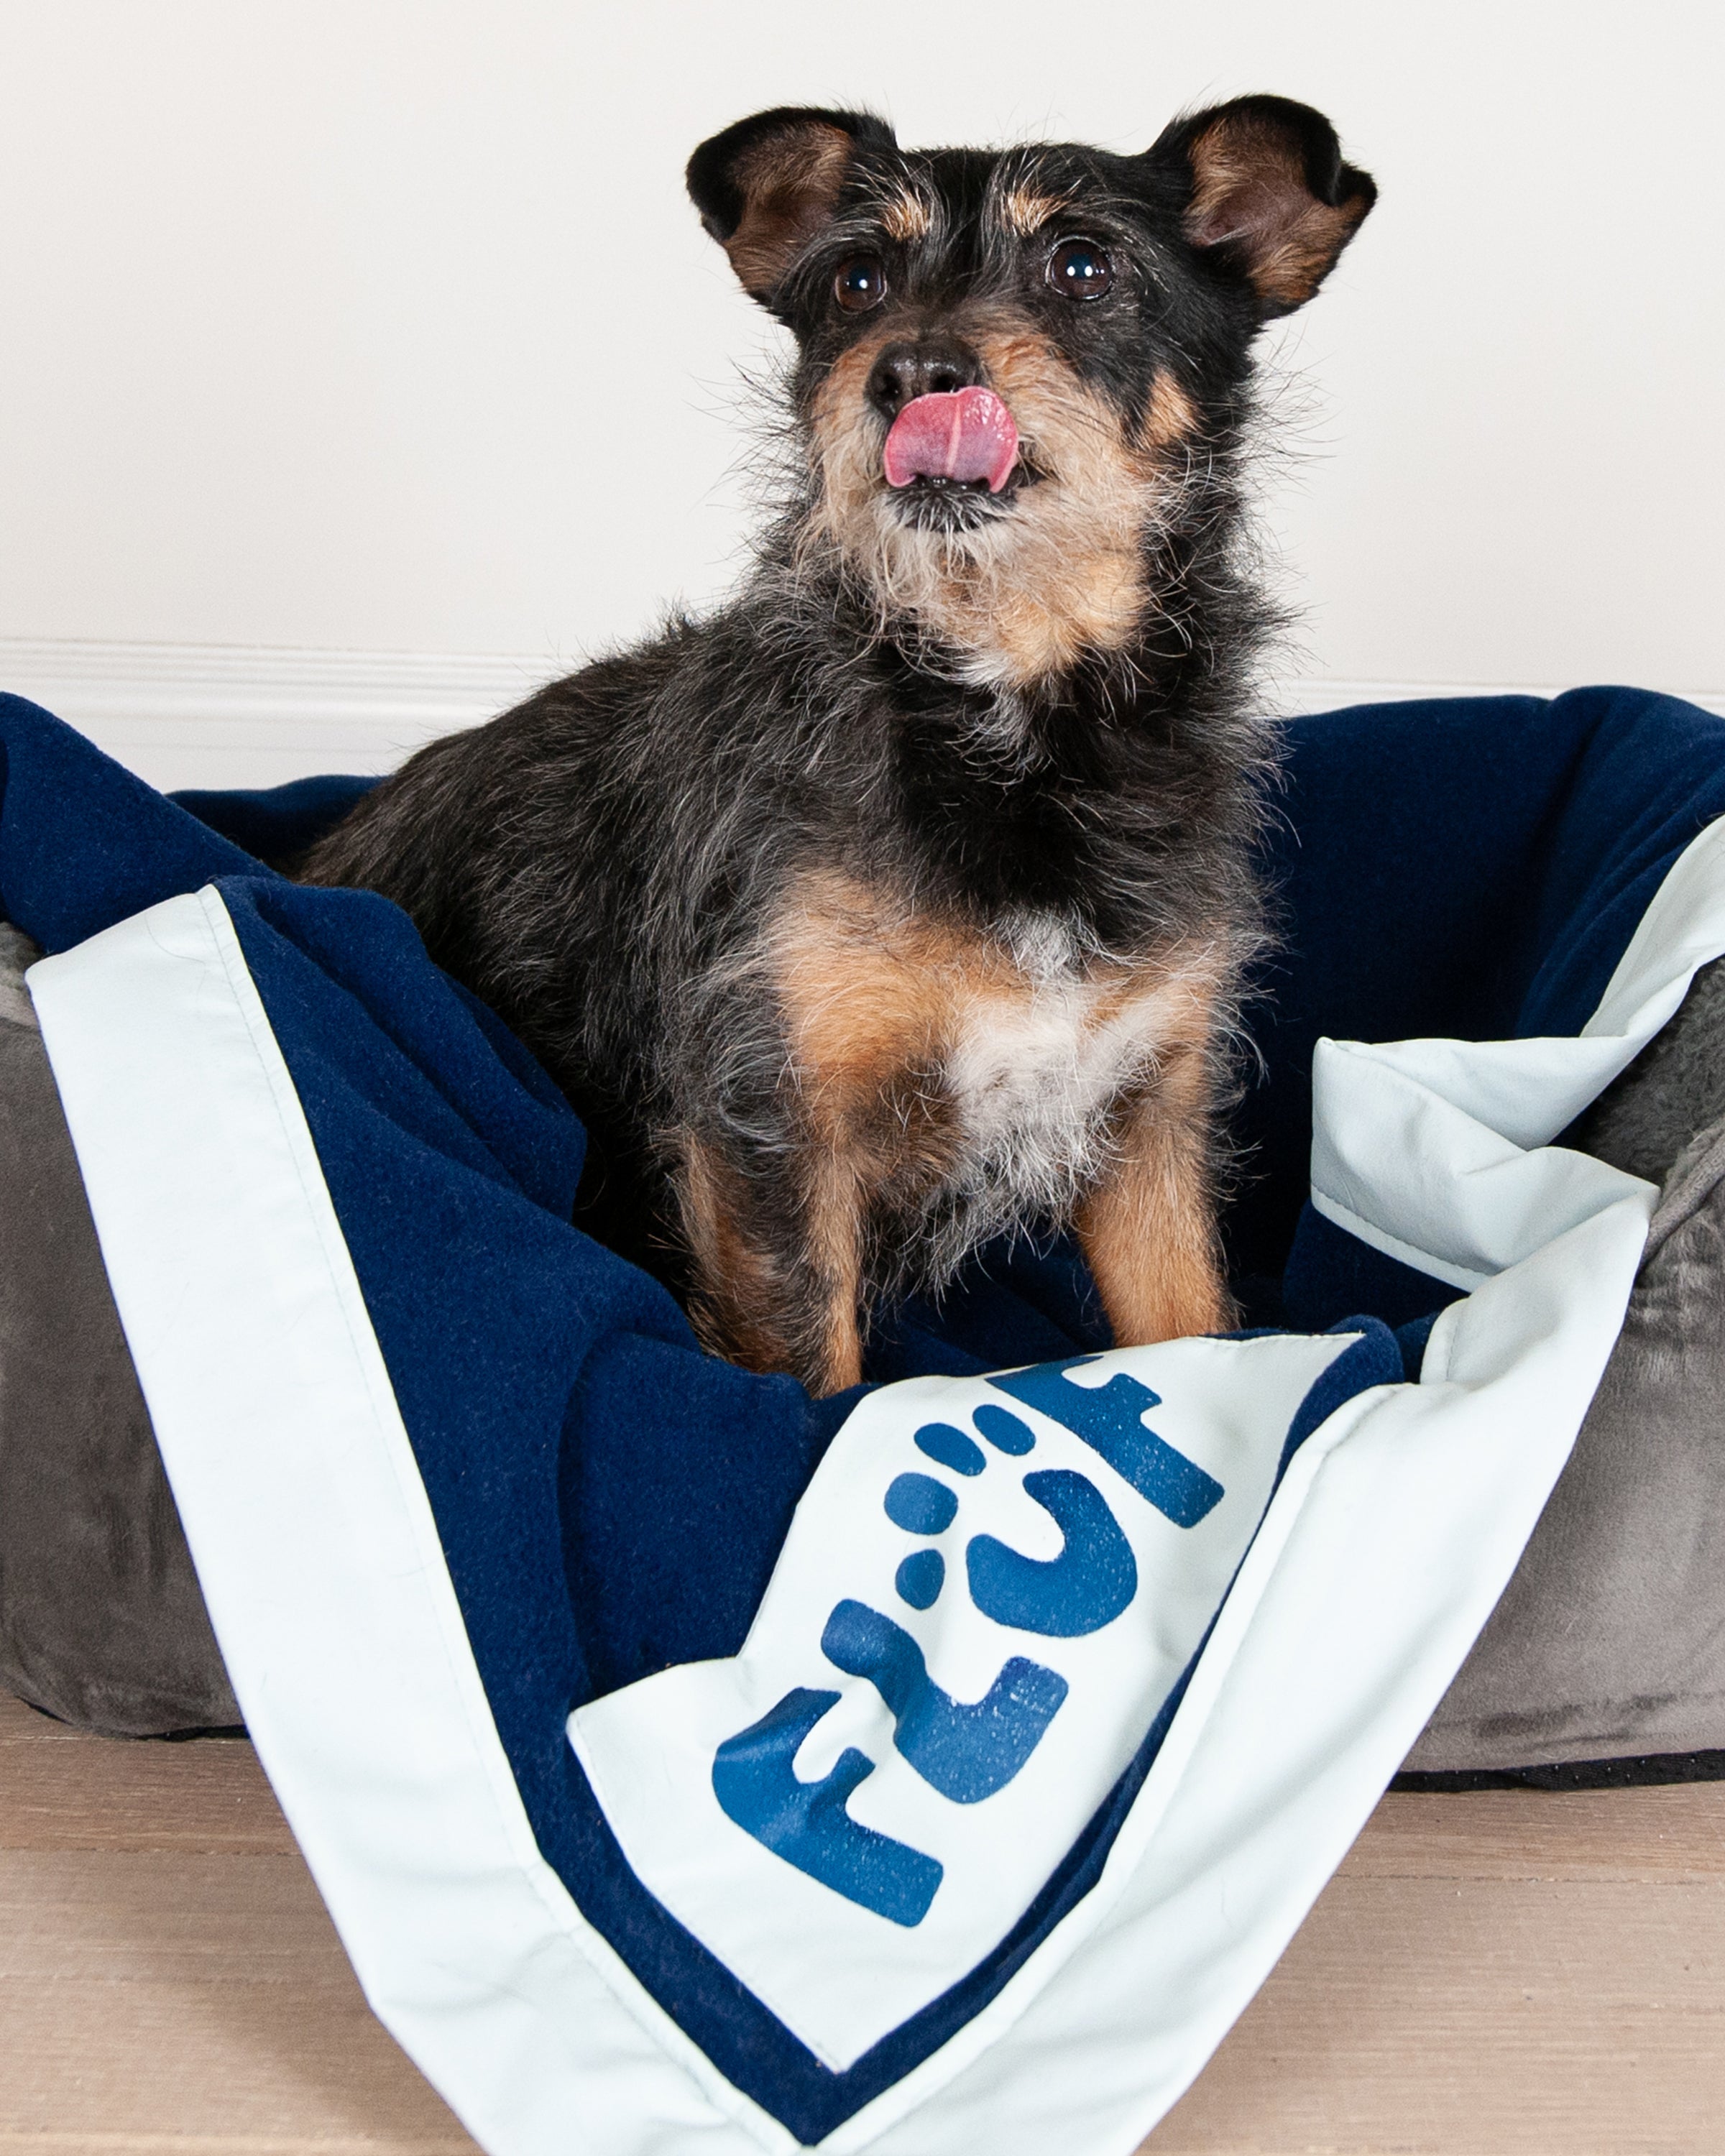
(1016, 368)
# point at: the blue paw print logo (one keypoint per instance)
(966, 1751)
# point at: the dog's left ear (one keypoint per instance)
(1269, 195)
(765, 187)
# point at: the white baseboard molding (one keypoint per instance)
(232, 714)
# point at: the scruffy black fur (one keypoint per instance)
(794, 901)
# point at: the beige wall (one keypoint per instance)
(382, 327)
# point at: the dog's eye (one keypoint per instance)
(860, 284)
(1080, 269)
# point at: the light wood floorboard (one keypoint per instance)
(1505, 1972)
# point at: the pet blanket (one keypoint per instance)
(686, 1764)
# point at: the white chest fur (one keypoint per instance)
(1037, 1062)
(1027, 1041)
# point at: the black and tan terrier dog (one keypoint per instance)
(904, 900)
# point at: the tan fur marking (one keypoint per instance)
(740, 1308)
(1248, 187)
(748, 1306)
(789, 182)
(868, 994)
(1170, 415)
(1148, 1231)
(905, 217)
(833, 1205)
(1025, 596)
(1023, 210)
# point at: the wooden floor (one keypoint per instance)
(1504, 1973)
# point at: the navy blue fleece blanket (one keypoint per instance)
(612, 1505)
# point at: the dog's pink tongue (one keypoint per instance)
(965, 434)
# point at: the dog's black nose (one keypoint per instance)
(931, 367)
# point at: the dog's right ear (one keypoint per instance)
(765, 187)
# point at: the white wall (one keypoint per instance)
(382, 327)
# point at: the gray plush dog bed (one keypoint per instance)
(101, 1622)
(1610, 1641)
(1609, 1644)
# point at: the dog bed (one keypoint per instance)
(687, 1762)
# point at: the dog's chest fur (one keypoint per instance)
(991, 1067)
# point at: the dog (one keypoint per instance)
(904, 900)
